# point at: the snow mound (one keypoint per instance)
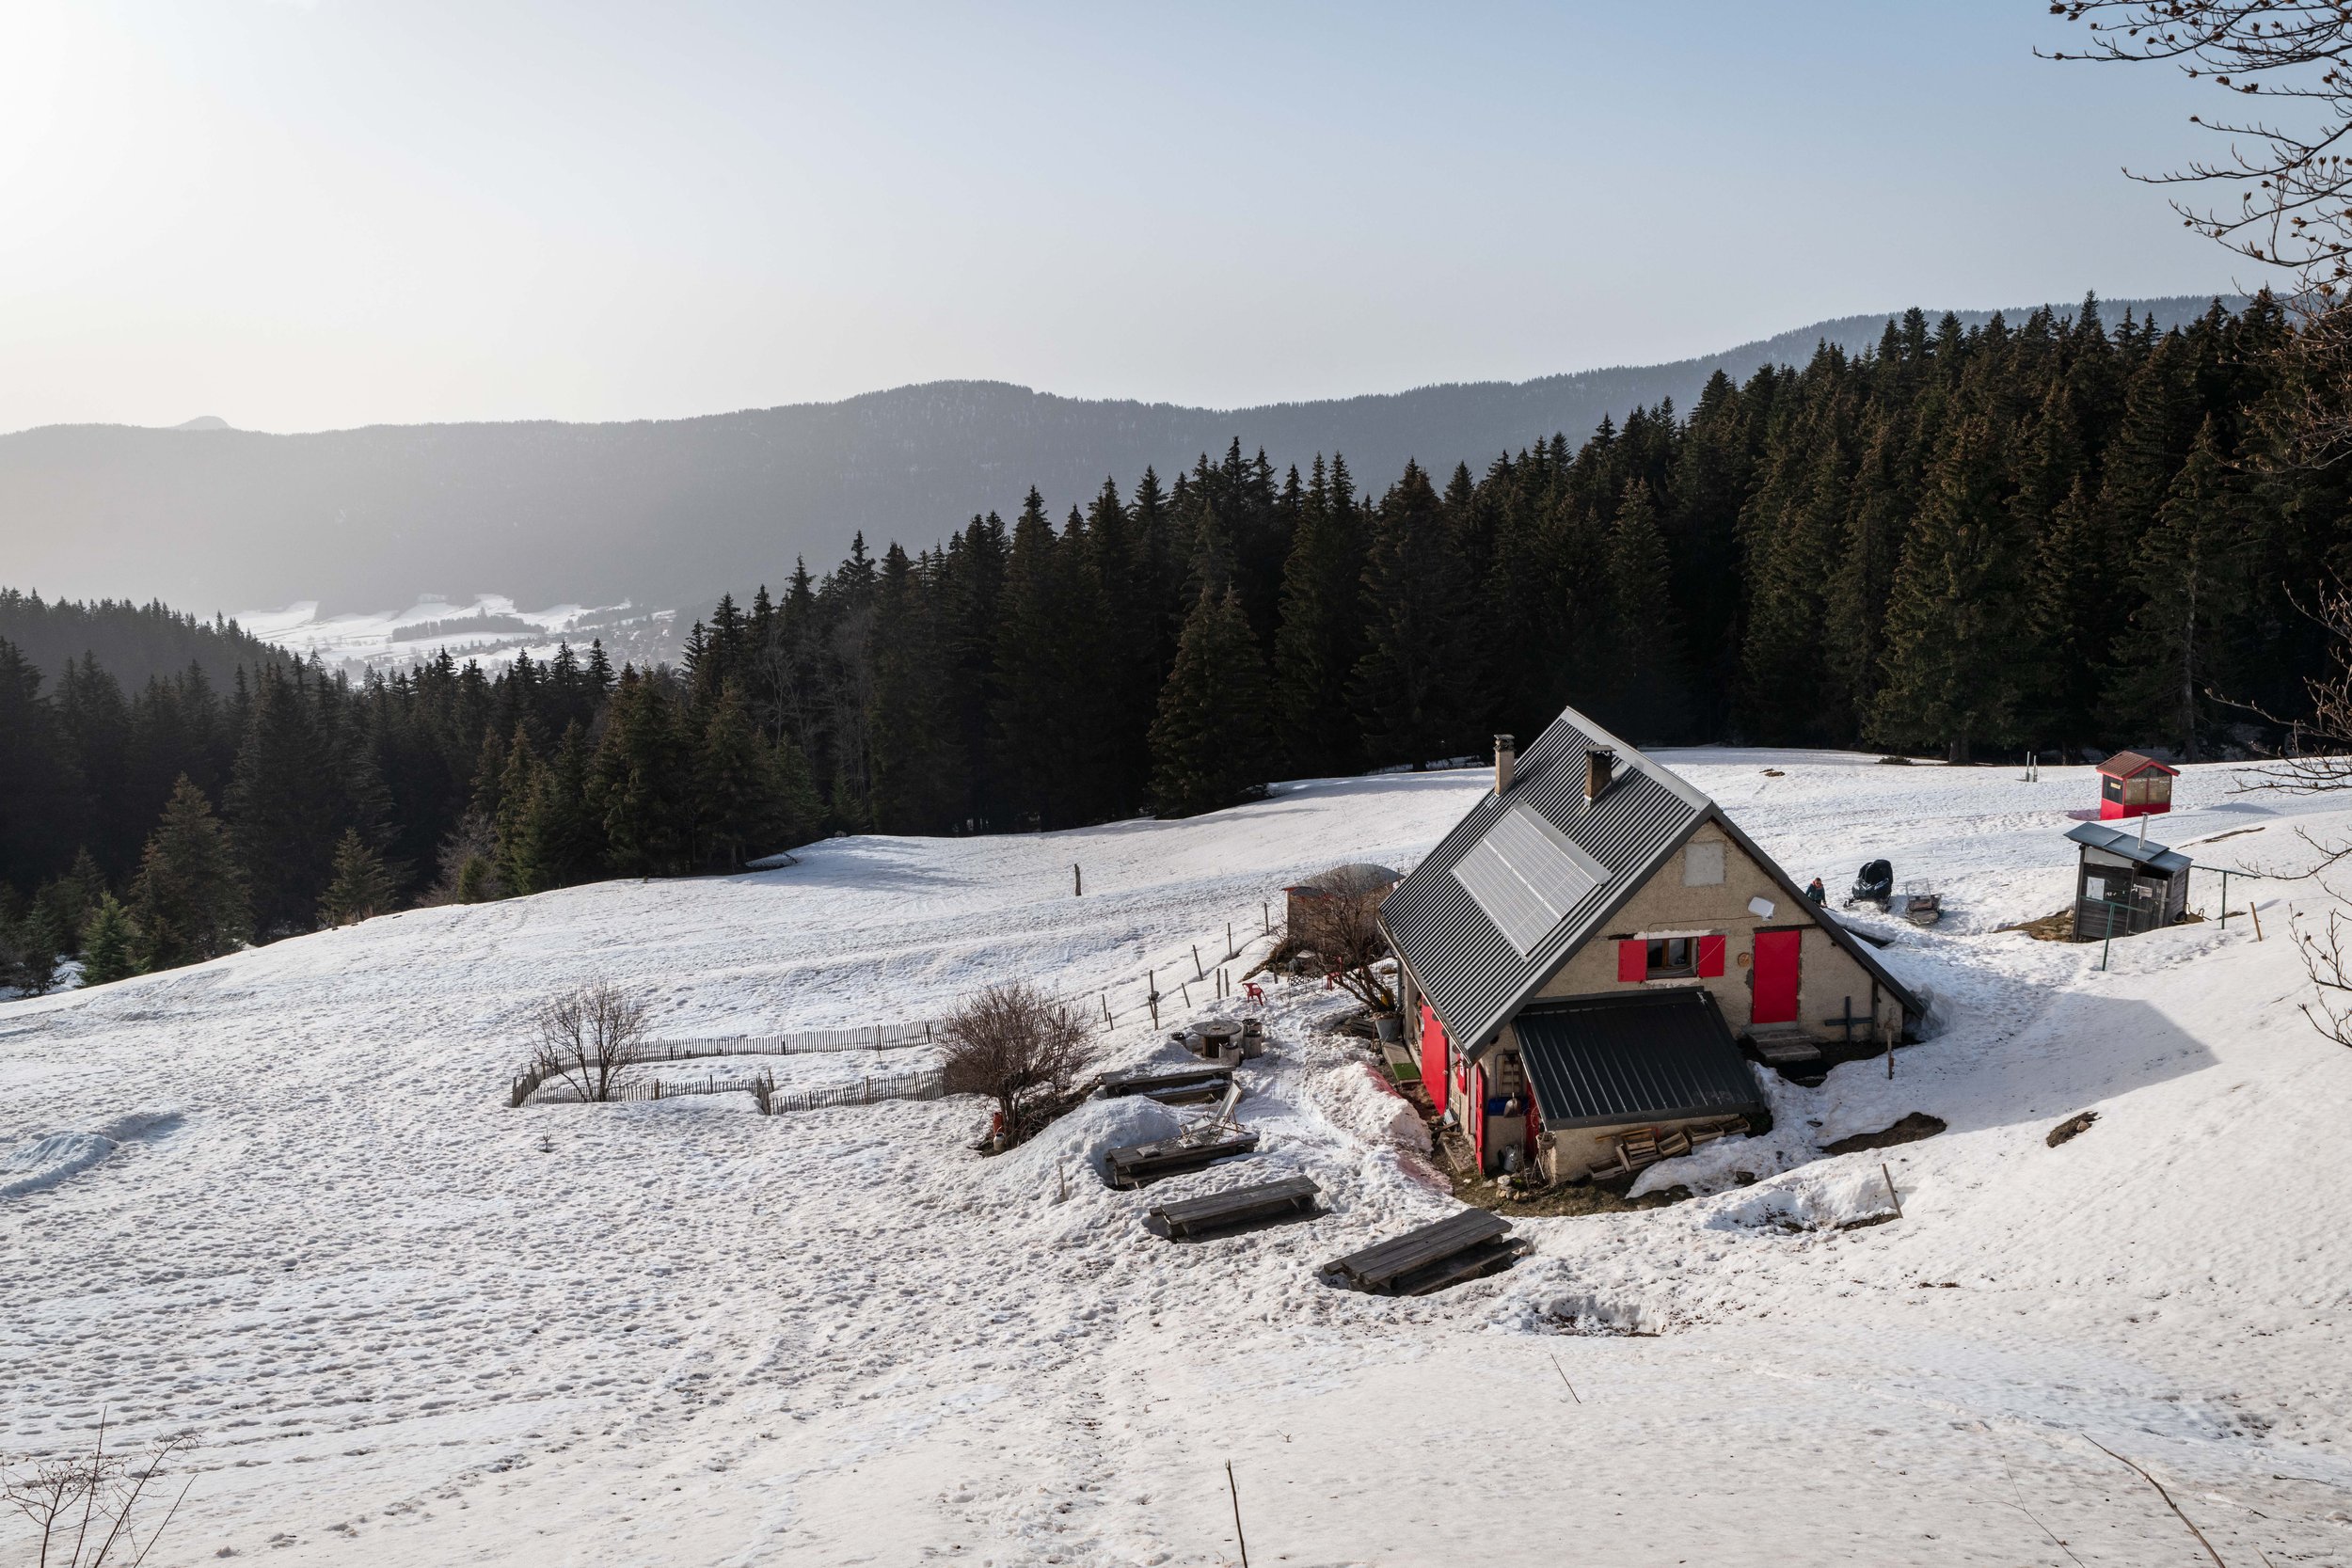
(1084, 1137)
(1815, 1198)
(44, 1159)
(39, 1164)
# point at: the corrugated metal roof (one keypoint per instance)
(2156, 857)
(1641, 1055)
(2124, 763)
(1470, 971)
(1473, 974)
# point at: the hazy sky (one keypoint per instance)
(305, 216)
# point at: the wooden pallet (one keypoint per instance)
(1461, 1246)
(1139, 1164)
(1289, 1198)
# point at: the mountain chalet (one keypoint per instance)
(1584, 956)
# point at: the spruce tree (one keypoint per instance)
(1210, 740)
(1649, 685)
(734, 791)
(639, 780)
(2187, 572)
(188, 902)
(362, 888)
(1952, 642)
(107, 943)
(1408, 686)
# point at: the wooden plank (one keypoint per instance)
(1479, 1261)
(1136, 1164)
(1142, 1082)
(1376, 1266)
(1218, 1210)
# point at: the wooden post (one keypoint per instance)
(2225, 900)
(2256, 910)
(1266, 914)
(1078, 883)
(1892, 1196)
(1186, 989)
(1198, 972)
(1236, 1493)
(1230, 948)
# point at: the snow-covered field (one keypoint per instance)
(277, 1202)
(482, 628)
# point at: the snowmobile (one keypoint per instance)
(1874, 885)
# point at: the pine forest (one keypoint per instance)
(2049, 535)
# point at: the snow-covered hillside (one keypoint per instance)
(277, 1201)
(488, 629)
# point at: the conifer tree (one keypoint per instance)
(2187, 571)
(188, 903)
(362, 888)
(735, 786)
(1649, 697)
(107, 943)
(1409, 684)
(560, 842)
(637, 781)
(1952, 642)
(1210, 740)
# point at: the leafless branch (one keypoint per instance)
(586, 1037)
(2296, 208)
(1019, 1048)
(1342, 926)
(104, 1490)
(2329, 966)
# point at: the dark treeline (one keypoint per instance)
(2047, 535)
(133, 641)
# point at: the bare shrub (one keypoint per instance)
(1019, 1048)
(85, 1506)
(1343, 927)
(2329, 965)
(588, 1035)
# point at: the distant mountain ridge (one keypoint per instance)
(669, 512)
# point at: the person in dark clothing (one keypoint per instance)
(1818, 894)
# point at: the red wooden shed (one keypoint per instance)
(2131, 784)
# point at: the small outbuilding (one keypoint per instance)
(2124, 884)
(1595, 954)
(2131, 784)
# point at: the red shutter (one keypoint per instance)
(1633, 959)
(1710, 958)
(1433, 1044)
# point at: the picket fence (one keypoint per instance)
(761, 1086)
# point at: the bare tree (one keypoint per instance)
(2289, 161)
(588, 1035)
(85, 1506)
(2329, 966)
(2292, 166)
(1343, 927)
(1022, 1049)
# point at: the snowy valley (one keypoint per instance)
(277, 1202)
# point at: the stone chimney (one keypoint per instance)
(1506, 757)
(1599, 767)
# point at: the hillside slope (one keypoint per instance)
(279, 1204)
(668, 512)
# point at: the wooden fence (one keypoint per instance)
(761, 1086)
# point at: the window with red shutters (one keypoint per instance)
(1710, 958)
(1633, 959)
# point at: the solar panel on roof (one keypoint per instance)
(1527, 876)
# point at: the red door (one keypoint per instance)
(1433, 1063)
(1775, 1000)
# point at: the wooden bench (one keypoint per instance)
(1468, 1245)
(1288, 1198)
(1168, 1087)
(1139, 1163)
